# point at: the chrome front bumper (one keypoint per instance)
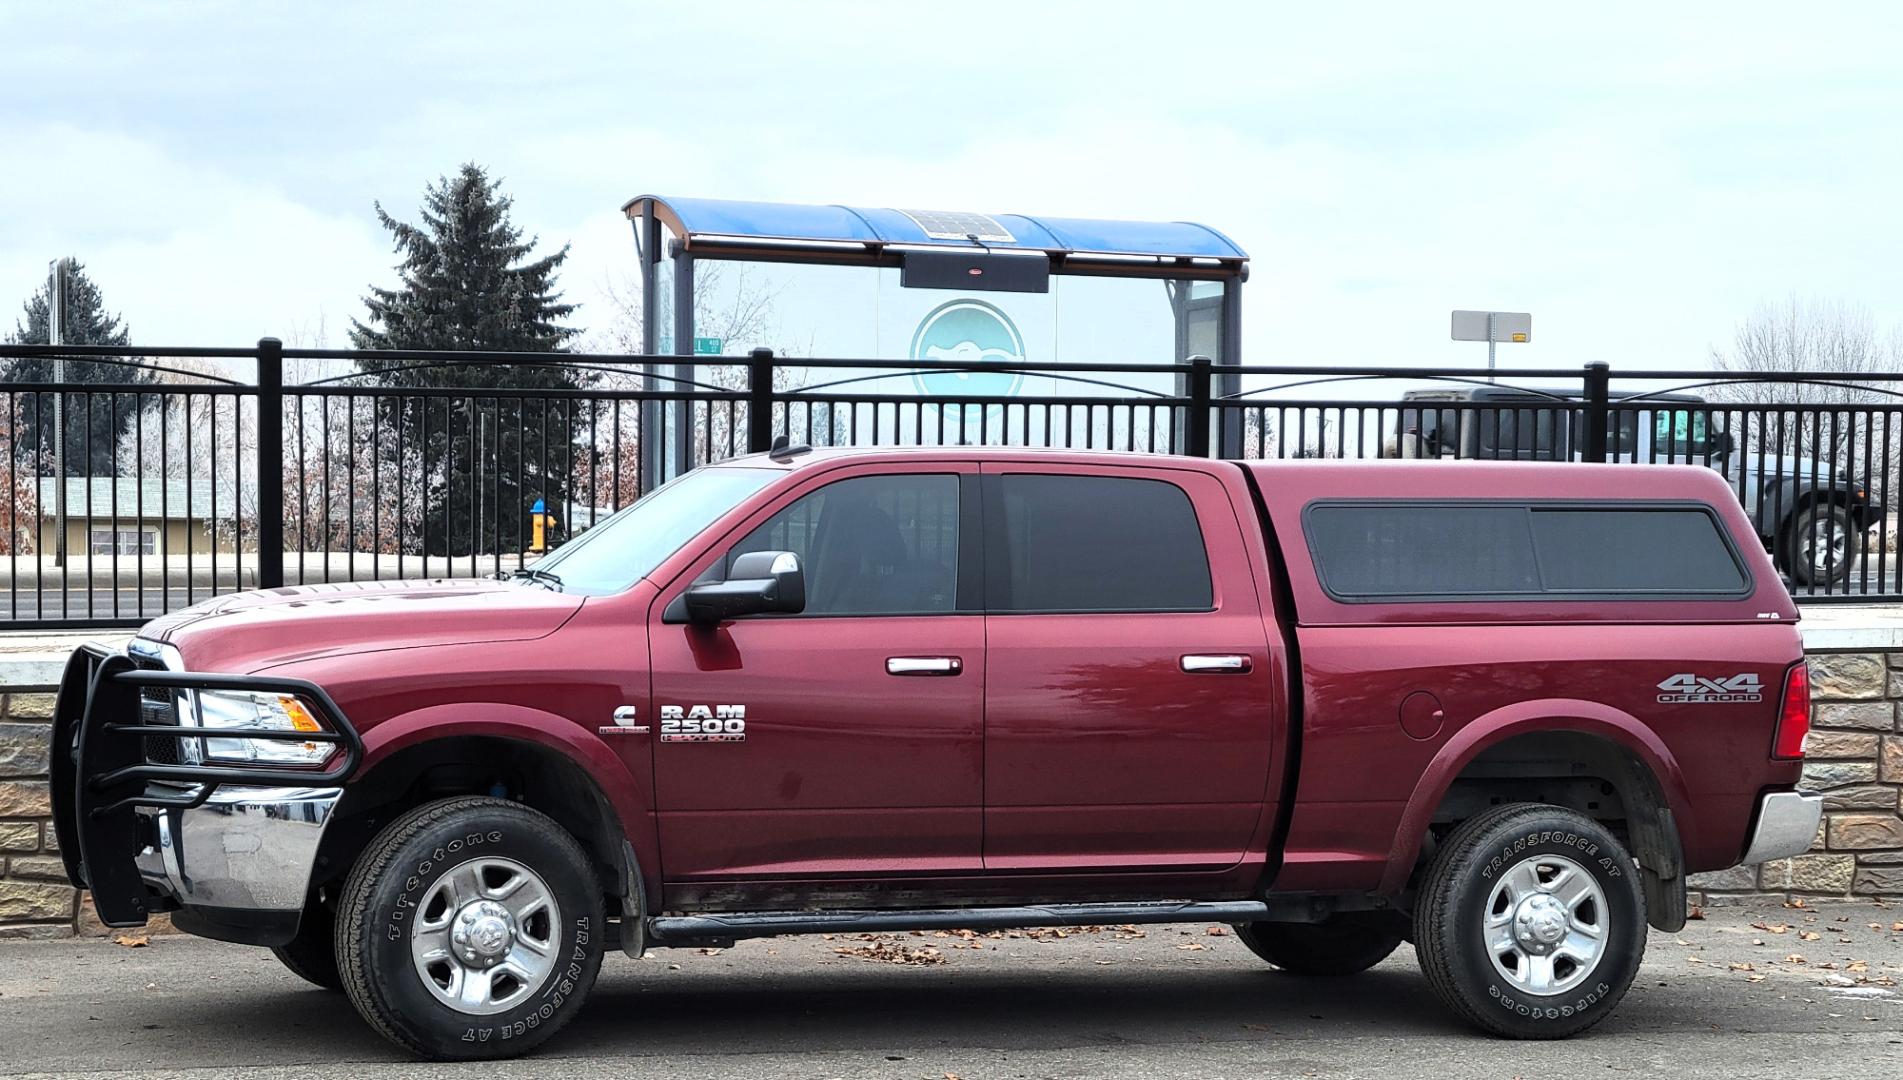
(1787, 825)
(239, 866)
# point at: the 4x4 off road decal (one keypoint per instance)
(703, 723)
(1701, 690)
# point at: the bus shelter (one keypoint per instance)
(721, 278)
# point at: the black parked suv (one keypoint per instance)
(1811, 514)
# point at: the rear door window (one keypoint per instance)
(1072, 543)
(1406, 550)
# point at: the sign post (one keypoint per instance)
(1493, 327)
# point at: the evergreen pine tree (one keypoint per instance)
(465, 285)
(95, 422)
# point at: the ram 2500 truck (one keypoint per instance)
(1496, 710)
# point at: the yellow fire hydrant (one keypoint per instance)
(543, 524)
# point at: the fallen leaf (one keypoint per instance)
(1740, 966)
(1754, 978)
(133, 941)
(1193, 946)
(1857, 966)
(1796, 903)
(1696, 912)
(1216, 931)
(1770, 927)
(1794, 959)
(1897, 927)
(1809, 935)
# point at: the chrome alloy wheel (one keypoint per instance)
(1827, 548)
(1546, 925)
(485, 936)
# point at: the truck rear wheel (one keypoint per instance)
(470, 928)
(1530, 923)
(1342, 944)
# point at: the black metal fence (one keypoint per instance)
(180, 481)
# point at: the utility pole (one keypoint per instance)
(55, 336)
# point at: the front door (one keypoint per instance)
(849, 738)
(1130, 701)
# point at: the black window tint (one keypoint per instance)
(1093, 543)
(1479, 550)
(872, 545)
(1675, 550)
(1373, 551)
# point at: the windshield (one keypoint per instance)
(628, 546)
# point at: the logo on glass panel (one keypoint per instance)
(968, 332)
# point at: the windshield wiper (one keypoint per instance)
(543, 577)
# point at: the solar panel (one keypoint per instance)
(959, 225)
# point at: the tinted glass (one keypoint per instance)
(1401, 550)
(1669, 550)
(1093, 543)
(872, 545)
(1479, 550)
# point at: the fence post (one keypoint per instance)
(270, 463)
(1196, 426)
(760, 401)
(1598, 416)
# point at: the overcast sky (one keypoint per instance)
(1638, 177)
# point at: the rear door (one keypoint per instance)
(1130, 701)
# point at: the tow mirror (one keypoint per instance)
(762, 582)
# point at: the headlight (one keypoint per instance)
(214, 709)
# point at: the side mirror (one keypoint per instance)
(762, 582)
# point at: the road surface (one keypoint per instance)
(1172, 1003)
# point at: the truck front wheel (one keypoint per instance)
(1530, 923)
(1342, 944)
(470, 928)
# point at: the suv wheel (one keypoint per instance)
(1343, 944)
(312, 954)
(1530, 923)
(470, 928)
(1820, 545)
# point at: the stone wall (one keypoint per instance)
(35, 900)
(1856, 761)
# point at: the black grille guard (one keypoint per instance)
(100, 772)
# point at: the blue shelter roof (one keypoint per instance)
(729, 219)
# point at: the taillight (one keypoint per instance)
(1793, 721)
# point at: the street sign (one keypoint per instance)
(1491, 326)
(707, 346)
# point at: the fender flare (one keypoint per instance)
(626, 796)
(1522, 718)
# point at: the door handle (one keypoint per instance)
(1223, 664)
(923, 665)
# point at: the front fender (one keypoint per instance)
(627, 795)
(1522, 718)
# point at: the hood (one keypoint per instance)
(247, 631)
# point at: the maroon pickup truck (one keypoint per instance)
(1495, 710)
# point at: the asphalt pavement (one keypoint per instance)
(1746, 992)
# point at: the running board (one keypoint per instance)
(679, 930)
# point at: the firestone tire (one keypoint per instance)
(1343, 944)
(312, 954)
(470, 928)
(1530, 923)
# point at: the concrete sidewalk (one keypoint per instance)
(1772, 992)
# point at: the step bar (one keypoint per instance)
(673, 931)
